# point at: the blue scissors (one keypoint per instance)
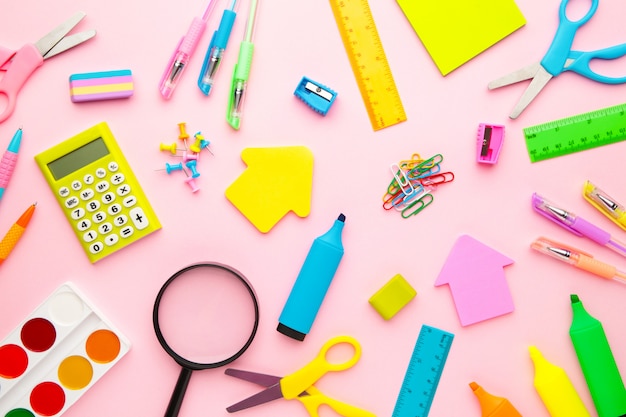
(560, 58)
(19, 65)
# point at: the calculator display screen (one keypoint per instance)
(78, 158)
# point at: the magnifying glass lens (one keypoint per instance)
(206, 315)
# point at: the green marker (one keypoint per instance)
(597, 362)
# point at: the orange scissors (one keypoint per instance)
(19, 65)
(299, 385)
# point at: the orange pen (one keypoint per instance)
(15, 232)
(493, 406)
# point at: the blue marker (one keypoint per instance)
(215, 53)
(9, 159)
(312, 283)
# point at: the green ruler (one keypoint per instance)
(423, 373)
(576, 133)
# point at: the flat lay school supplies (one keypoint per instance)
(489, 141)
(560, 58)
(312, 283)
(315, 95)
(241, 73)
(205, 316)
(576, 133)
(300, 384)
(183, 52)
(555, 388)
(576, 224)
(217, 48)
(492, 405)
(423, 372)
(14, 234)
(578, 258)
(9, 160)
(102, 85)
(56, 354)
(455, 31)
(597, 362)
(369, 63)
(475, 274)
(98, 192)
(19, 65)
(276, 181)
(392, 297)
(605, 204)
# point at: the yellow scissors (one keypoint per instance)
(299, 385)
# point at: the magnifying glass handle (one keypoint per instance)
(179, 393)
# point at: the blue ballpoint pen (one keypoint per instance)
(9, 159)
(242, 71)
(216, 50)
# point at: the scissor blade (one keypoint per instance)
(45, 44)
(260, 379)
(522, 74)
(537, 84)
(270, 394)
(70, 42)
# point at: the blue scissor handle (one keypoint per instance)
(581, 60)
(561, 46)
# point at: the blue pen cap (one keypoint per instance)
(214, 53)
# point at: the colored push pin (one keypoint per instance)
(182, 132)
(191, 182)
(493, 406)
(193, 166)
(190, 156)
(169, 167)
(204, 144)
(172, 148)
(196, 145)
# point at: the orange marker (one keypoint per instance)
(493, 406)
(15, 232)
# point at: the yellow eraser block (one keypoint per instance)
(392, 297)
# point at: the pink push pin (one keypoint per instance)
(191, 182)
(190, 156)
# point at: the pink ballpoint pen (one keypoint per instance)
(183, 52)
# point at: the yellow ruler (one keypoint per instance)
(369, 63)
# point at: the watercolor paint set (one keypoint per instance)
(60, 350)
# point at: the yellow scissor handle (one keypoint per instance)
(296, 383)
(315, 399)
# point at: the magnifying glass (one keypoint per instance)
(205, 316)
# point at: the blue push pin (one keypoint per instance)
(192, 165)
(204, 144)
(169, 167)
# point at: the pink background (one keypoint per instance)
(490, 203)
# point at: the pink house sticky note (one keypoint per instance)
(475, 274)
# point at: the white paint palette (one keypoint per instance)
(54, 356)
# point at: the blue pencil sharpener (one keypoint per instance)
(315, 95)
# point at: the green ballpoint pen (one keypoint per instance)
(242, 71)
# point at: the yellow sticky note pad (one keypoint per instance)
(455, 31)
(392, 297)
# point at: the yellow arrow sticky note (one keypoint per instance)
(276, 181)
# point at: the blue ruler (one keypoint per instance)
(423, 373)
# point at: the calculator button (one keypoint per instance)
(76, 185)
(78, 213)
(113, 166)
(129, 201)
(114, 209)
(93, 205)
(108, 198)
(105, 228)
(71, 202)
(96, 247)
(122, 190)
(64, 191)
(117, 178)
(88, 179)
(90, 236)
(102, 186)
(83, 225)
(127, 232)
(139, 218)
(87, 194)
(101, 173)
(120, 220)
(111, 239)
(99, 217)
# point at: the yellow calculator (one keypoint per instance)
(98, 192)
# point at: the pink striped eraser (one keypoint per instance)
(105, 85)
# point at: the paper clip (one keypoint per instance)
(409, 164)
(402, 182)
(430, 166)
(435, 180)
(419, 204)
(401, 201)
